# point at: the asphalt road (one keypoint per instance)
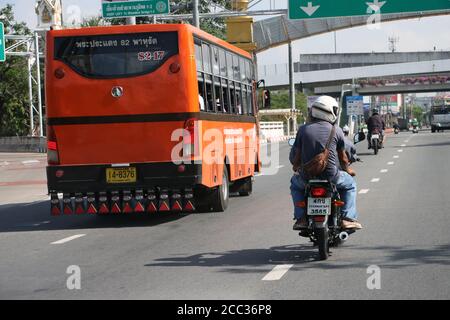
(248, 252)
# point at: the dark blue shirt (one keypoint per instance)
(311, 140)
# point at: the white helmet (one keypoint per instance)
(325, 108)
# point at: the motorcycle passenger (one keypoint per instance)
(310, 141)
(350, 148)
(375, 124)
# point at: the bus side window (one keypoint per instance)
(223, 63)
(232, 98)
(215, 60)
(206, 58)
(238, 92)
(220, 107)
(236, 73)
(250, 100)
(245, 106)
(209, 101)
(198, 57)
(225, 95)
(242, 63)
(201, 91)
(230, 65)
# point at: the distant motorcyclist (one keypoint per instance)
(375, 124)
(310, 141)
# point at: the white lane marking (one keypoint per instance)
(406, 141)
(4, 163)
(68, 239)
(363, 191)
(260, 174)
(400, 150)
(403, 145)
(390, 163)
(396, 157)
(384, 170)
(375, 180)
(278, 272)
(30, 161)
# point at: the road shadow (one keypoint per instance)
(243, 261)
(35, 216)
(306, 256)
(437, 144)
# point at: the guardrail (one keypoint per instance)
(23, 144)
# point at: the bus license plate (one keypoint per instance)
(319, 206)
(121, 175)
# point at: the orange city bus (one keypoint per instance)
(148, 118)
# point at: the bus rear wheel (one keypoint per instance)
(221, 195)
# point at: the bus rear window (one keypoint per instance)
(116, 56)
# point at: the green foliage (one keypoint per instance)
(280, 100)
(417, 113)
(14, 103)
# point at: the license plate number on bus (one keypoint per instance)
(120, 175)
(319, 206)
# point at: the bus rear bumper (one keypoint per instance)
(158, 187)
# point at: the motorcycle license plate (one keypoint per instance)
(319, 206)
(375, 136)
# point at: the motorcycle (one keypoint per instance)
(323, 211)
(396, 131)
(415, 129)
(375, 142)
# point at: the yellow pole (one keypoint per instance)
(240, 29)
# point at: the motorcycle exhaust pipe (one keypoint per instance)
(343, 236)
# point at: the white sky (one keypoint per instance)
(415, 35)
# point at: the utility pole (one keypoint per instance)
(196, 15)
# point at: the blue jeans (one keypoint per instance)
(346, 186)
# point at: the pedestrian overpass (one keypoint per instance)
(373, 73)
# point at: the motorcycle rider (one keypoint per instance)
(350, 148)
(375, 124)
(311, 140)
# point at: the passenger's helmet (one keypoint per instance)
(325, 108)
(375, 111)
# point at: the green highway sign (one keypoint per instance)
(133, 8)
(2, 43)
(313, 9)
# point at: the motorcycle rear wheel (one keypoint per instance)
(322, 241)
(375, 148)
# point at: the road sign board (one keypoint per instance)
(2, 43)
(133, 8)
(313, 9)
(355, 105)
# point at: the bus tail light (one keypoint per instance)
(126, 207)
(79, 204)
(151, 201)
(139, 197)
(164, 201)
(67, 204)
(115, 198)
(52, 147)
(91, 203)
(55, 204)
(188, 197)
(176, 199)
(189, 207)
(103, 203)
